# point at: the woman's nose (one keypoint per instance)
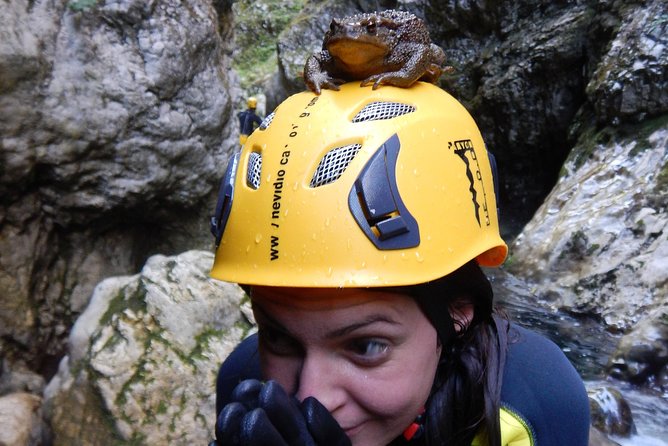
(321, 380)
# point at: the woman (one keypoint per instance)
(358, 220)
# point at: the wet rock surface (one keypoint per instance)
(642, 353)
(20, 417)
(610, 413)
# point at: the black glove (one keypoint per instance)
(264, 415)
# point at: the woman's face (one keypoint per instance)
(369, 357)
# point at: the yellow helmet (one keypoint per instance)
(358, 188)
(251, 102)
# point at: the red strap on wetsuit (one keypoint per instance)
(415, 429)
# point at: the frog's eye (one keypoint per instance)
(334, 24)
(390, 24)
(371, 27)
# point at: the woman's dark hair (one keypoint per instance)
(465, 397)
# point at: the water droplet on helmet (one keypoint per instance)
(258, 238)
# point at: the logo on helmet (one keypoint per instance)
(465, 150)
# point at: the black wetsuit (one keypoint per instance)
(541, 390)
(247, 121)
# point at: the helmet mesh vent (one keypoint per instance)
(377, 111)
(254, 170)
(266, 121)
(333, 164)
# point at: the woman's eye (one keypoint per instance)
(369, 348)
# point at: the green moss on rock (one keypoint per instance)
(257, 26)
(642, 132)
(202, 343)
(592, 139)
(125, 299)
(81, 5)
(662, 180)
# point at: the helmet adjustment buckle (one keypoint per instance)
(376, 205)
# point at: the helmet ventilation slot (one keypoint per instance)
(254, 172)
(377, 111)
(333, 164)
(266, 121)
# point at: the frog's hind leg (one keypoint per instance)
(394, 78)
(434, 72)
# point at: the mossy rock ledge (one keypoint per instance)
(143, 356)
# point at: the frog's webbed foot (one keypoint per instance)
(319, 81)
(333, 83)
(317, 71)
(434, 72)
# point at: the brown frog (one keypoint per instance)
(389, 47)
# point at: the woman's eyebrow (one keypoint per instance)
(370, 320)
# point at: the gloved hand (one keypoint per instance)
(264, 415)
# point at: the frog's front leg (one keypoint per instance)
(317, 73)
